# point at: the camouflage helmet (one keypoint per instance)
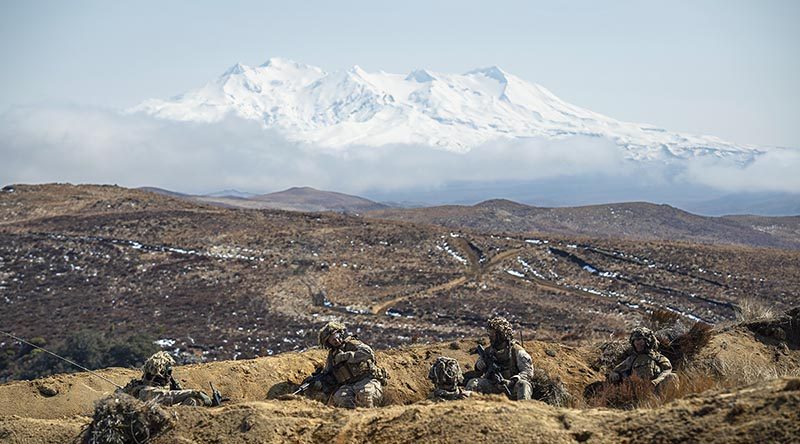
(327, 331)
(502, 326)
(160, 364)
(650, 341)
(445, 372)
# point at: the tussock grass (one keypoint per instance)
(660, 319)
(752, 310)
(742, 370)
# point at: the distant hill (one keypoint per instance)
(293, 199)
(310, 199)
(635, 220)
(231, 193)
(164, 192)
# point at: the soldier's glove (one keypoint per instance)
(343, 357)
(514, 379)
(613, 377)
(655, 382)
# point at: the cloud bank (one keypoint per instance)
(90, 145)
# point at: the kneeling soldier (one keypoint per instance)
(506, 366)
(644, 361)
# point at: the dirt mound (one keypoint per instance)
(768, 411)
(58, 408)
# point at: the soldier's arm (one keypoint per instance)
(665, 366)
(480, 365)
(173, 384)
(356, 352)
(524, 363)
(622, 368)
(362, 352)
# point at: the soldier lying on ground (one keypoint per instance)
(158, 384)
(352, 364)
(446, 375)
(644, 361)
(506, 366)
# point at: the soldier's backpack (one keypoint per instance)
(446, 372)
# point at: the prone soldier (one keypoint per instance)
(157, 384)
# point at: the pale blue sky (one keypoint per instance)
(724, 68)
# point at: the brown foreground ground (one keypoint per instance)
(755, 397)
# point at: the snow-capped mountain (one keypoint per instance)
(455, 112)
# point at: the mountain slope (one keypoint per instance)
(449, 111)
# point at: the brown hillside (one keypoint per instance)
(635, 220)
(228, 283)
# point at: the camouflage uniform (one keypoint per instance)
(352, 363)
(157, 384)
(445, 373)
(516, 365)
(649, 365)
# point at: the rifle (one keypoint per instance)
(493, 372)
(319, 375)
(216, 397)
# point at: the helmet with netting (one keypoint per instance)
(160, 364)
(650, 340)
(329, 330)
(502, 326)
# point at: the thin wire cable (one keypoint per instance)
(63, 359)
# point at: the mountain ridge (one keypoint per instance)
(454, 112)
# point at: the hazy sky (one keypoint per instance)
(724, 68)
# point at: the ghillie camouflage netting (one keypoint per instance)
(549, 390)
(122, 419)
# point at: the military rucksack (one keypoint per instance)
(446, 372)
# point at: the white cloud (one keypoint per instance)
(776, 170)
(89, 145)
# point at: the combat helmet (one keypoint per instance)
(650, 341)
(327, 331)
(502, 326)
(158, 365)
(445, 372)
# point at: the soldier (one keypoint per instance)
(445, 373)
(352, 363)
(644, 361)
(506, 366)
(158, 384)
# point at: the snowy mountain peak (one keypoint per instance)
(420, 76)
(447, 111)
(492, 72)
(235, 69)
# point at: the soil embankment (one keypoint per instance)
(58, 408)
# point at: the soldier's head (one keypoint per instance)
(499, 330)
(445, 373)
(643, 340)
(332, 335)
(158, 367)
